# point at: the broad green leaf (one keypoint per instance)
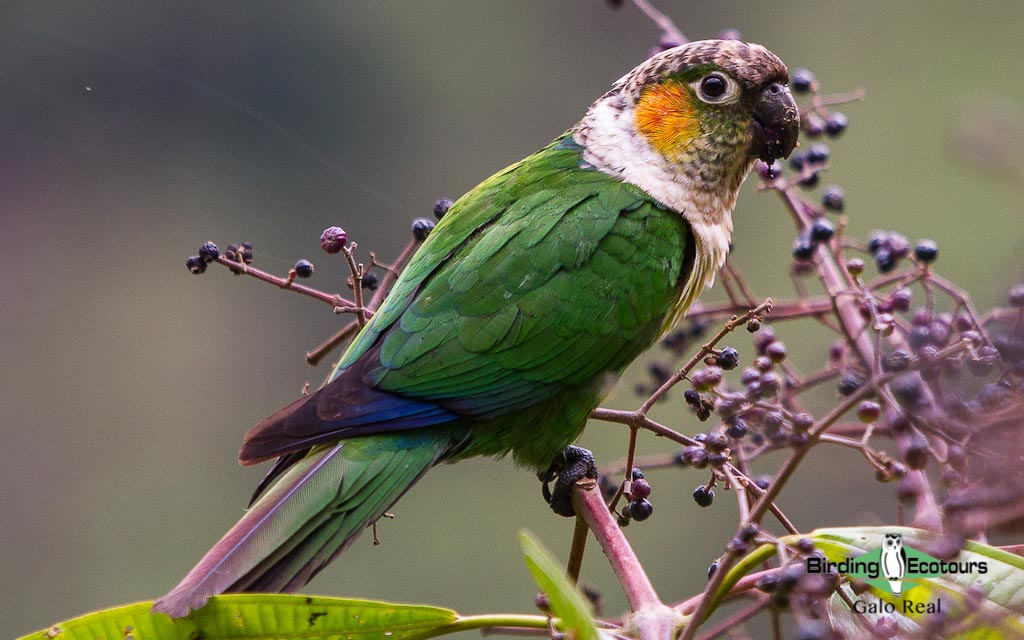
(259, 617)
(566, 601)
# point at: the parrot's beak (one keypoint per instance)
(776, 124)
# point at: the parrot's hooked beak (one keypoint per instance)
(776, 124)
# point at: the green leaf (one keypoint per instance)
(260, 617)
(566, 602)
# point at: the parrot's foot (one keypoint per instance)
(568, 467)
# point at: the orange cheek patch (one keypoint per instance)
(665, 115)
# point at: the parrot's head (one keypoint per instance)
(699, 114)
(687, 125)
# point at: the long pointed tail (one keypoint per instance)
(320, 505)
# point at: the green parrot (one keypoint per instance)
(517, 314)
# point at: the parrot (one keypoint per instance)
(517, 314)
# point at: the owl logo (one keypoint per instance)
(894, 562)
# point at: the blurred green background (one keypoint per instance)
(131, 132)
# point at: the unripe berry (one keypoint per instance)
(333, 239)
(868, 411)
(776, 351)
(639, 489)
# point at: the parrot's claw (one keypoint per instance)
(568, 467)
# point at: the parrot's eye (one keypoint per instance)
(716, 88)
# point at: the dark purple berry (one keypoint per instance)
(738, 429)
(836, 124)
(637, 474)
(797, 161)
(728, 358)
(813, 125)
(822, 230)
(897, 360)
(659, 372)
(916, 454)
(885, 261)
(715, 441)
(876, 240)
(231, 253)
(818, 153)
(926, 251)
(333, 239)
(803, 247)
(748, 532)
(303, 268)
(421, 228)
(849, 383)
(694, 456)
(834, 198)
(898, 245)
(810, 180)
(196, 265)
(371, 281)
(802, 80)
(803, 421)
(901, 299)
(703, 496)
(209, 252)
(640, 510)
(246, 253)
(441, 207)
(692, 397)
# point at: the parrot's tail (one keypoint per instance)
(314, 510)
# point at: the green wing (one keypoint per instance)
(544, 278)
